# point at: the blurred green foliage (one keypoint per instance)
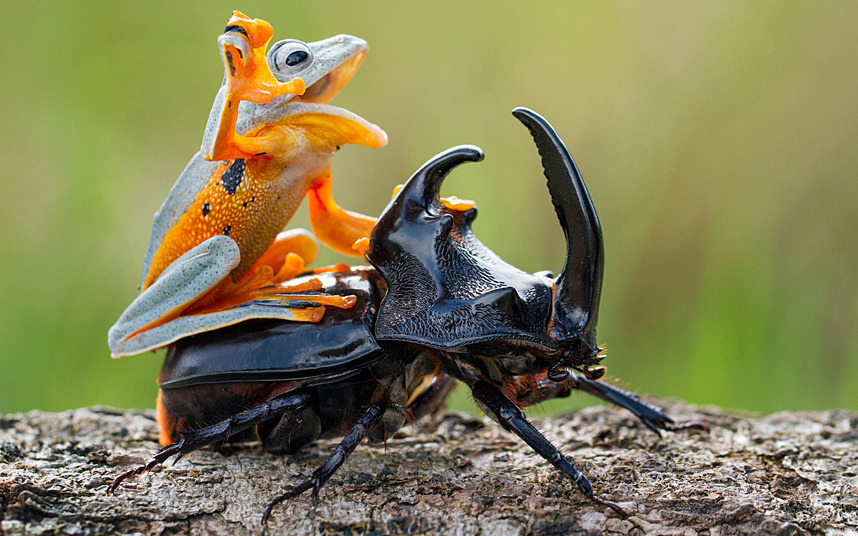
(718, 140)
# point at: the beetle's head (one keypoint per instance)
(447, 290)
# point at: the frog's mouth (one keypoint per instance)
(323, 90)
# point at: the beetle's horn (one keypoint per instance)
(421, 190)
(579, 285)
(426, 182)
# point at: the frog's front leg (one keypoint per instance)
(342, 230)
(195, 294)
(247, 76)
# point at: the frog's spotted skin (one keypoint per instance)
(234, 203)
(217, 208)
(270, 136)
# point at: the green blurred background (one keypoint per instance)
(718, 141)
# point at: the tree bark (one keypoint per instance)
(787, 473)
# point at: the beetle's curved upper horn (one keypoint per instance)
(426, 182)
(579, 285)
(421, 191)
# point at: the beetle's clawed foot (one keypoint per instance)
(667, 424)
(587, 488)
(160, 457)
(313, 482)
(656, 420)
(612, 505)
(690, 425)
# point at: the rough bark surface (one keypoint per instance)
(787, 473)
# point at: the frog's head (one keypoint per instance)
(325, 66)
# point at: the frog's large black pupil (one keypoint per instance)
(295, 58)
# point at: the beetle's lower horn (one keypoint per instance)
(580, 284)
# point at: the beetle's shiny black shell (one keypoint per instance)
(271, 351)
(446, 289)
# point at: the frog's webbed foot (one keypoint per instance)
(195, 294)
(270, 279)
(289, 255)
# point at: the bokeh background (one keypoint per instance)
(718, 140)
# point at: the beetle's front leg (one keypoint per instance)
(511, 418)
(651, 415)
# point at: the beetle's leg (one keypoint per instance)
(431, 400)
(651, 415)
(511, 418)
(370, 418)
(196, 439)
(342, 230)
(528, 390)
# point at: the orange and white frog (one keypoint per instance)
(215, 257)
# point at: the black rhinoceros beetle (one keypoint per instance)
(436, 306)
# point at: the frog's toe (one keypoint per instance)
(257, 31)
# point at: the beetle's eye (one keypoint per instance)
(289, 56)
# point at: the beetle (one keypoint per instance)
(437, 306)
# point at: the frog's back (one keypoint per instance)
(249, 201)
(195, 176)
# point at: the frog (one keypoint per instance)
(216, 254)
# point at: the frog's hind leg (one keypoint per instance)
(195, 294)
(288, 256)
(269, 281)
(186, 279)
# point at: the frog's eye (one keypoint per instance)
(290, 56)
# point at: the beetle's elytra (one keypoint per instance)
(436, 306)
